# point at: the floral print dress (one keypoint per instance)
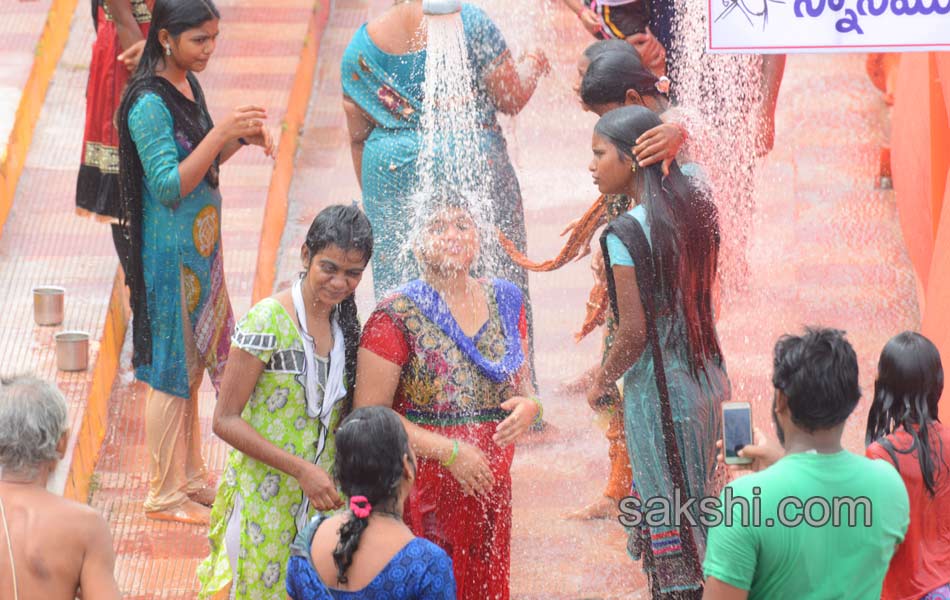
(257, 505)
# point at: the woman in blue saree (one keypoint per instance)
(383, 75)
(661, 260)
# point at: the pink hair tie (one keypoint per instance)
(360, 507)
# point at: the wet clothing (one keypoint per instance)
(804, 561)
(454, 385)
(259, 510)
(175, 241)
(922, 562)
(389, 89)
(419, 571)
(672, 416)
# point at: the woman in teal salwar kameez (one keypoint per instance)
(383, 74)
(661, 260)
(170, 152)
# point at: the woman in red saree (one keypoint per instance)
(447, 352)
(121, 29)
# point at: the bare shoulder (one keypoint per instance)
(286, 299)
(86, 517)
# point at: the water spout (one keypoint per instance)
(441, 7)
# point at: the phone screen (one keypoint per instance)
(737, 430)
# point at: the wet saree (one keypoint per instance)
(453, 384)
(389, 89)
(672, 419)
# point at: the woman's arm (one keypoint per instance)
(360, 126)
(152, 130)
(240, 379)
(630, 337)
(510, 91)
(126, 26)
(376, 381)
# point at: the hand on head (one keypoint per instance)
(661, 143)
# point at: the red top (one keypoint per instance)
(922, 562)
(385, 339)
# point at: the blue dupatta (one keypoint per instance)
(509, 300)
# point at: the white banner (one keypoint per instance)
(789, 26)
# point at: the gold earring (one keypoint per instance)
(633, 167)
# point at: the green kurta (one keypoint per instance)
(269, 500)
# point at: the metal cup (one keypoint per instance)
(48, 304)
(72, 350)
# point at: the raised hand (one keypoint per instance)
(243, 122)
(659, 144)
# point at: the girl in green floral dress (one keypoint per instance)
(285, 389)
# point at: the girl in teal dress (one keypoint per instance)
(169, 158)
(661, 260)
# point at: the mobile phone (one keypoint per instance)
(736, 431)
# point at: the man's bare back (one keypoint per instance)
(58, 546)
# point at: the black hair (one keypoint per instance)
(906, 392)
(175, 17)
(684, 230)
(611, 45)
(346, 227)
(370, 446)
(817, 372)
(612, 73)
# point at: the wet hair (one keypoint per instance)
(32, 422)
(611, 45)
(370, 445)
(908, 387)
(612, 73)
(347, 228)
(684, 231)
(817, 372)
(175, 17)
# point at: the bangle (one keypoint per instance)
(453, 456)
(537, 418)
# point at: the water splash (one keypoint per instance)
(452, 160)
(726, 91)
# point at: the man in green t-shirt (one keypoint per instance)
(821, 522)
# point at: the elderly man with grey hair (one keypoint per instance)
(50, 548)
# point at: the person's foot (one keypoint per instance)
(205, 496)
(189, 512)
(603, 508)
